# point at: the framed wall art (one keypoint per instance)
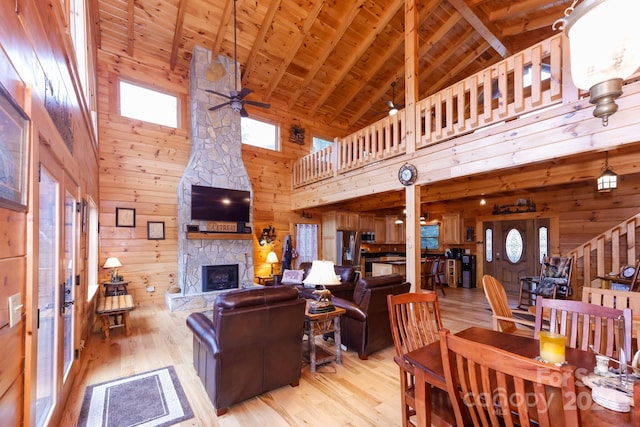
(14, 146)
(125, 217)
(155, 230)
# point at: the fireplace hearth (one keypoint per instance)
(219, 277)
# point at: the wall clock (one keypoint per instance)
(628, 271)
(407, 174)
(125, 217)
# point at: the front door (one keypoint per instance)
(513, 248)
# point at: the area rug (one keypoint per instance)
(153, 398)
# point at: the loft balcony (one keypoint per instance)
(522, 110)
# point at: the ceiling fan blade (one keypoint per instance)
(243, 112)
(257, 104)
(217, 107)
(390, 104)
(244, 92)
(217, 93)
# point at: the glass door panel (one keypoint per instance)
(67, 295)
(48, 232)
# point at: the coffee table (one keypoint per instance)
(112, 306)
(318, 324)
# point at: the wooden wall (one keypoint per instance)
(34, 58)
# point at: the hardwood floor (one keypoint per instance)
(356, 393)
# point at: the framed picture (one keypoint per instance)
(125, 217)
(155, 230)
(14, 145)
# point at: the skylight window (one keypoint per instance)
(148, 105)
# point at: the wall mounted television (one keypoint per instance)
(220, 204)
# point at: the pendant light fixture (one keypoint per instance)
(604, 48)
(608, 180)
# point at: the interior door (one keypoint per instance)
(513, 248)
(67, 295)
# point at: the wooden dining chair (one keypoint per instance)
(427, 275)
(415, 322)
(489, 386)
(585, 324)
(439, 273)
(503, 316)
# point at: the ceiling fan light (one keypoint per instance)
(393, 111)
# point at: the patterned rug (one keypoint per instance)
(153, 398)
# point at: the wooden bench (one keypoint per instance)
(113, 306)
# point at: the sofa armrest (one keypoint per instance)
(202, 328)
(353, 311)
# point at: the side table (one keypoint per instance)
(318, 325)
(113, 306)
(115, 288)
(265, 280)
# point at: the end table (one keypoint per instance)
(318, 325)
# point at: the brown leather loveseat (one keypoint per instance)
(253, 345)
(365, 326)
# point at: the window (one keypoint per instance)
(543, 242)
(320, 143)
(488, 245)
(430, 236)
(148, 105)
(259, 134)
(514, 245)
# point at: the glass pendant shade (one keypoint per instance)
(604, 40)
(607, 181)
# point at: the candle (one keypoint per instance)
(552, 347)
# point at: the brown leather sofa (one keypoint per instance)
(348, 277)
(253, 345)
(365, 326)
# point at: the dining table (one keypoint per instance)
(429, 373)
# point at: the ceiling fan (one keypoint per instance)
(393, 107)
(236, 98)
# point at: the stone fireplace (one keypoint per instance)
(215, 161)
(219, 277)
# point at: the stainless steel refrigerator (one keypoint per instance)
(348, 248)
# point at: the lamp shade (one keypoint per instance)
(607, 181)
(112, 263)
(322, 273)
(604, 41)
(272, 258)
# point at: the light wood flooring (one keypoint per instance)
(356, 393)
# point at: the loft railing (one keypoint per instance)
(525, 82)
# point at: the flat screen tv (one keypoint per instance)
(220, 204)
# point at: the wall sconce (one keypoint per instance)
(306, 215)
(604, 49)
(267, 236)
(608, 180)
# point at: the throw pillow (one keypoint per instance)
(292, 277)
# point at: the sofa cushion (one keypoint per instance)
(254, 296)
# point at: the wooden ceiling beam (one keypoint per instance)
(331, 44)
(259, 42)
(522, 7)
(473, 20)
(177, 34)
(357, 55)
(440, 84)
(222, 28)
(527, 25)
(382, 59)
(130, 27)
(292, 49)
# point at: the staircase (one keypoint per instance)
(608, 252)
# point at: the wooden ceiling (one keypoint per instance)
(327, 60)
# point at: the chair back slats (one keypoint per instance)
(415, 320)
(584, 324)
(497, 297)
(489, 386)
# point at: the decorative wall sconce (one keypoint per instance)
(267, 236)
(604, 49)
(608, 180)
(306, 215)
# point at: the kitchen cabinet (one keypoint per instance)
(451, 229)
(380, 229)
(395, 232)
(347, 221)
(329, 229)
(366, 223)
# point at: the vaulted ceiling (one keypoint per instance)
(327, 60)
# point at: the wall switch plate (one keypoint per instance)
(151, 288)
(15, 309)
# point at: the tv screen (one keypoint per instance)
(220, 204)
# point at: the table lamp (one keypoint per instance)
(322, 273)
(272, 258)
(113, 263)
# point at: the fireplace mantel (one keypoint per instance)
(196, 235)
